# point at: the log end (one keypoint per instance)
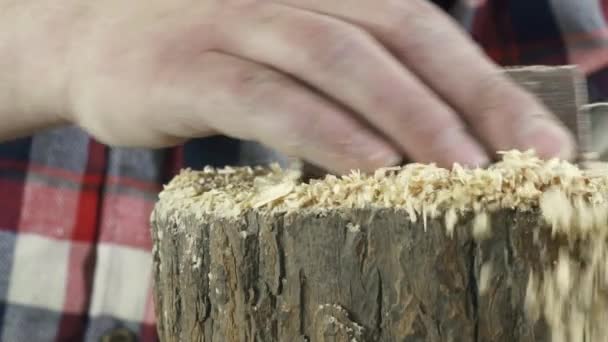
(514, 252)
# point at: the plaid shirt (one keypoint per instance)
(75, 261)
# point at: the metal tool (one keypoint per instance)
(563, 90)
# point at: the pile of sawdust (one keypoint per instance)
(571, 296)
(426, 191)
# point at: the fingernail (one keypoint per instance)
(472, 157)
(547, 138)
(459, 147)
(376, 153)
(477, 160)
(384, 157)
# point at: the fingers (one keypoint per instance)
(351, 67)
(250, 101)
(437, 51)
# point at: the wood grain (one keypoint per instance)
(354, 275)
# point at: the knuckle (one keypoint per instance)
(308, 122)
(411, 25)
(298, 132)
(303, 125)
(417, 123)
(442, 141)
(434, 134)
(254, 84)
(316, 129)
(408, 18)
(431, 132)
(331, 45)
(489, 97)
(344, 141)
(490, 87)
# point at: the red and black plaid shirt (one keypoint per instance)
(75, 257)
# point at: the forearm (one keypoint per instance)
(32, 72)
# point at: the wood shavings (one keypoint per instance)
(485, 275)
(268, 193)
(563, 275)
(481, 226)
(353, 228)
(450, 221)
(532, 306)
(557, 209)
(571, 296)
(520, 180)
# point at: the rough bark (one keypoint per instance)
(360, 275)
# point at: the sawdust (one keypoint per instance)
(481, 226)
(517, 182)
(485, 274)
(571, 296)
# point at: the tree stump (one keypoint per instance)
(514, 252)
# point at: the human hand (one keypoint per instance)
(343, 84)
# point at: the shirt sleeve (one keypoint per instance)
(548, 32)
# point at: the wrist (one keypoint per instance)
(33, 66)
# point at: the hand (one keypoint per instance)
(344, 84)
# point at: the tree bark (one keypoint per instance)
(348, 275)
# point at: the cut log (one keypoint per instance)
(511, 253)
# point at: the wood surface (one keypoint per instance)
(355, 275)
